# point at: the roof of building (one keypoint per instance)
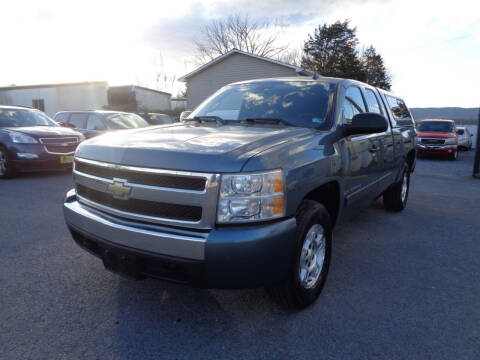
(299, 70)
(85, 83)
(139, 87)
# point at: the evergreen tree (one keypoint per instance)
(374, 69)
(333, 51)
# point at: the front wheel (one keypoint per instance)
(311, 260)
(7, 169)
(396, 196)
(454, 156)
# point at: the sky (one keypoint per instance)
(432, 48)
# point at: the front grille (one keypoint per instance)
(61, 149)
(60, 140)
(142, 207)
(433, 141)
(60, 145)
(144, 178)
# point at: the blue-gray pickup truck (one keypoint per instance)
(246, 190)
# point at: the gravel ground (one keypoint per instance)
(401, 286)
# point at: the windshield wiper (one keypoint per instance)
(201, 119)
(265, 120)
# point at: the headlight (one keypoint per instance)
(451, 141)
(251, 197)
(20, 138)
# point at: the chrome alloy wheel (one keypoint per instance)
(312, 256)
(404, 187)
(3, 162)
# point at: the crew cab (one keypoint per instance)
(438, 137)
(31, 141)
(246, 190)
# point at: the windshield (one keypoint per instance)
(438, 126)
(24, 117)
(125, 121)
(299, 103)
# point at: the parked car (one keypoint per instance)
(245, 191)
(437, 137)
(95, 122)
(464, 138)
(156, 118)
(30, 140)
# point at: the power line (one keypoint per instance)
(445, 41)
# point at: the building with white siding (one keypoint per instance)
(231, 67)
(51, 98)
(97, 95)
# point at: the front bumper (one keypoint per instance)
(437, 149)
(223, 257)
(42, 161)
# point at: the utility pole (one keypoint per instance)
(476, 162)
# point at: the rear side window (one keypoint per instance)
(62, 117)
(94, 122)
(352, 104)
(461, 131)
(372, 101)
(78, 119)
(399, 111)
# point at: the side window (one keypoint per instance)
(94, 122)
(399, 110)
(352, 104)
(62, 117)
(372, 101)
(78, 120)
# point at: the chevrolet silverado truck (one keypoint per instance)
(246, 190)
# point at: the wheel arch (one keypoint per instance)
(327, 194)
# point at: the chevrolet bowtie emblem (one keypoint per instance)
(119, 189)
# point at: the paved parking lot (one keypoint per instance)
(401, 286)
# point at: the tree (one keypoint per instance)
(237, 32)
(333, 51)
(374, 69)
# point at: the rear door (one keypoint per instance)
(361, 154)
(403, 127)
(385, 155)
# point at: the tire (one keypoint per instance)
(396, 196)
(7, 170)
(312, 220)
(454, 156)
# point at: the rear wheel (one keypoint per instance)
(395, 197)
(311, 259)
(7, 169)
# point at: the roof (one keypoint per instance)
(122, 87)
(299, 70)
(445, 120)
(85, 83)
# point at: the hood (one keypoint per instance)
(44, 131)
(191, 147)
(435, 134)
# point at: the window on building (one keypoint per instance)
(38, 104)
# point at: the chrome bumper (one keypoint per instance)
(151, 238)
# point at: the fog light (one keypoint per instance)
(27, 156)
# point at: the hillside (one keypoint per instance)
(466, 115)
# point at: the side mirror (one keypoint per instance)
(184, 115)
(366, 123)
